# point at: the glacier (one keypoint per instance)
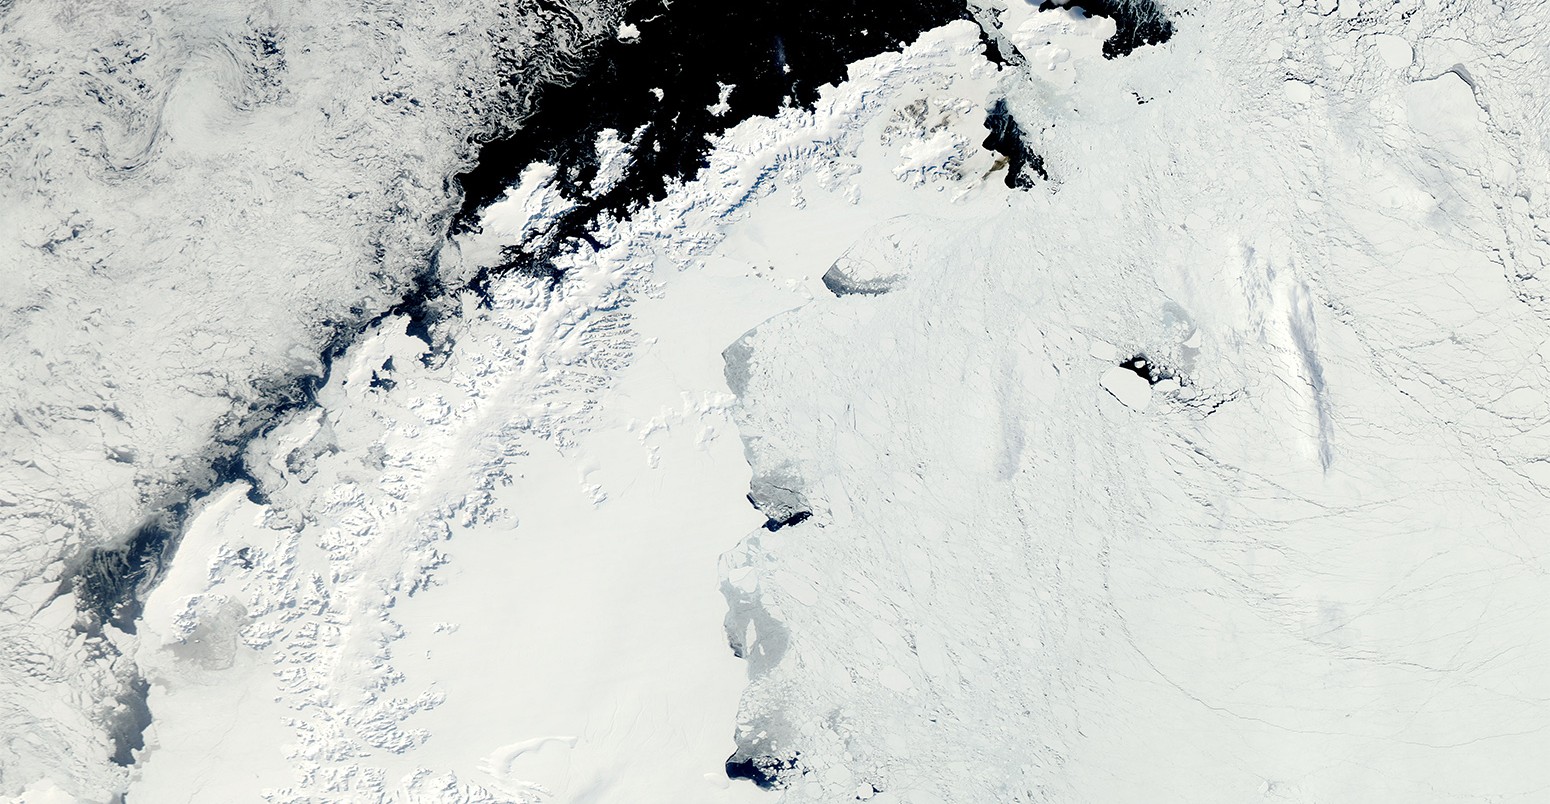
(1125, 417)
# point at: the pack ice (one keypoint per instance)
(199, 204)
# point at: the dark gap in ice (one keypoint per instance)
(1136, 22)
(1147, 369)
(1008, 139)
(105, 586)
(418, 305)
(993, 53)
(773, 53)
(130, 721)
(109, 588)
(797, 518)
(768, 772)
(382, 377)
(998, 49)
(773, 523)
(110, 583)
(379, 378)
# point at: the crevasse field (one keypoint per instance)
(1025, 419)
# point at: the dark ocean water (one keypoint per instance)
(773, 53)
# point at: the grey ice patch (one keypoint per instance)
(1010, 415)
(839, 282)
(880, 259)
(206, 632)
(764, 752)
(1304, 331)
(752, 632)
(759, 638)
(735, 360)
(776, 487)
(777, 492)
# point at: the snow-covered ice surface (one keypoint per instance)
(1312, 568)
(1209, 466)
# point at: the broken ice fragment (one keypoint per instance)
(1128, 387)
